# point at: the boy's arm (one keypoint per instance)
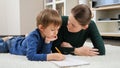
(37, 54)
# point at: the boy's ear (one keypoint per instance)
(40, 27)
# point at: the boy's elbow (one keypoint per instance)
(29, 57)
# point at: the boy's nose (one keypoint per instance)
(56, 32)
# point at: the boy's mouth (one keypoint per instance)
(52, 37)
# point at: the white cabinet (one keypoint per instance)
(63, 6)
(108, 20)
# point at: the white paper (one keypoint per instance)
(70, 61)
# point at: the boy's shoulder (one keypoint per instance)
(34, 33)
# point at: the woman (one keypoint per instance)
(75, 30)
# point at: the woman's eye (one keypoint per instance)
(73, 25)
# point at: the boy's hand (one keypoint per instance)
(48, 39)
(55, 56)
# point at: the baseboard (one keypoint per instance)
(11, 35)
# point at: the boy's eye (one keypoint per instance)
(52, 29)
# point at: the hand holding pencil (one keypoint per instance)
(56, 56)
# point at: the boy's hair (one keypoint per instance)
(82, 14)
(47, 17)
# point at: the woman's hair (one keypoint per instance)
(82, 14)
(47, 17)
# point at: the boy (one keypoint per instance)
(37, 45)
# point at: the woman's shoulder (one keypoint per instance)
(64, 20)
(64, 17)
(92, 23)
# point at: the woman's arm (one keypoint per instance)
(96, 38)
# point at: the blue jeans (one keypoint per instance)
(3, 47)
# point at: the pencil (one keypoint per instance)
(58, 50)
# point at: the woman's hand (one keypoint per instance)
(65, 44)
(55, 56)
(86, 51)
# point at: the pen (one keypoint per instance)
(58, 50)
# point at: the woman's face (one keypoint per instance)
(73, 25)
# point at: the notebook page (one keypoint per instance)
(70, 61)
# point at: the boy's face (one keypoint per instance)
(73, 25)
(50, 31)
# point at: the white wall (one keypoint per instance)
(13, 16)
(29, 9)
(9, 16)
(3, 29)
(18, 16)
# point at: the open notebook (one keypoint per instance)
(70, 61)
